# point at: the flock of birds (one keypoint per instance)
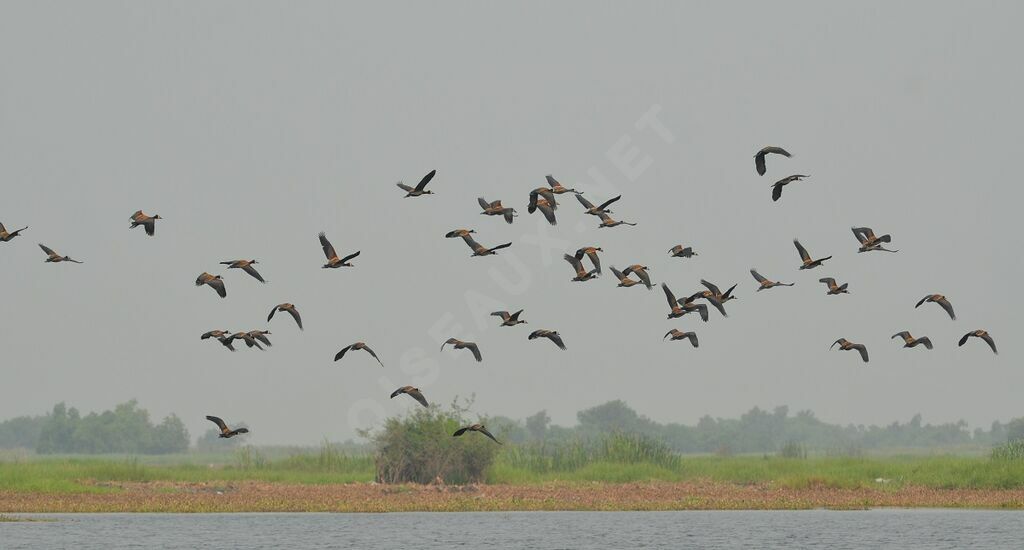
(544, 200)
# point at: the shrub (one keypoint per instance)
(419, 448)
(793, 449)
(1013, 450)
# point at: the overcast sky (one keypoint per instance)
(252, 126)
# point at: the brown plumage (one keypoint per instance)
(226, 432)
(5, 236)
(462, 233)
(459, 344)
(679, 251)
(909, 341)
(260, 335)
(475, 428)
(597, 210)
(147, 222)
(581, 273)
(983, 334)
(847, 345)
(759, 157)
(941, 300)
(777, 186)
(558, 188)
(717, 293)
(640, 271)
(214, 334)
(766, 283)
(332, 256)
(590, 252)
(290, 309)
(684, 306)
(481, 250)
(420, 187)
(509, 320)
(412, 392)
(246, 266)
(834, 289)
(249, 340)
(869, 242)
(624, 281)
(53, 257)
(552, 335)
(805, 257)
(543, 200)
(357, 346)
(677, 334)
(607, 221)
(213, 281)
(496, 209)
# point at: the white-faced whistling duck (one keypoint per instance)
(332, 257)
(590, 252)
(597, 210)
(419, 189)
(984, 335)
(412, 392)
(226, 432)
(214, 281)
(869, 242)
(624, 281)
(147, 222)
(909, 341)
(290, 308)
(938, 299)
(550, 335)
(357, 346)
(677, 334)
(508, 320)
(805, 258)
(557, 188)
(581, 273)
(777, 186)
(249, 340)
(684, 306)
(475, 428)
(765, 282)
(759, 157)
(640, 271)
(5, 236)
(246, 266)
(679, 251)
(481, 250)
(463, 233)
(496, 209)
(459, 344)
(544, 204)
(834, 289)
(53, 257)
(261, 335)
(847, 345)
(607, 221)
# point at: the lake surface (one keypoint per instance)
(903, 529)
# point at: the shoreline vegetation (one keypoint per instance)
(331, 481)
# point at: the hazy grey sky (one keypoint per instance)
(252, 126)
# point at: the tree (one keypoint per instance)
(537, 425)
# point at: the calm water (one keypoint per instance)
(902, 529)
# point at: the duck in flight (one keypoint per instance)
(766, 283)
(552, 335)
(420, 187)
(509, 320)
(288, 308)
(459, 344)
(760, 155)
(357, 346)
(53, 258)
(475, 428)
(412, 392)
(846, 345)
(941, 300)
(677, 334)
(983, 334)
(5, 236)
(225, 431)
(910, 342)
(213, 281)
(246, 266)
(805, 257)
(147, 222)
(332, 257)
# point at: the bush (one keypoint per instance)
(419, 448)
(1013, 450)
(793, 449)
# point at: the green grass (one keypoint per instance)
(621, 461)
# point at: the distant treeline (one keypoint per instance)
(758, 431)
(128, 429)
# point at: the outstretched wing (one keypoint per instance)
(991, 343)
(404, 187)
(586, 204)
(426, 179)
(863, 351)
(693, 339)
(295, 315)
(460, 431)
(220, 423)
(557, 339)
(759, 163)
(350, 256)
(370, 351)
(484, 431)
(47, 249)
(712, 287)
(618, 274)
(668, 295)
(946, 306)
(608, 202)
(575, 263)
(757, 276)
(476, 351)
(549, 213)
(342, 353)
(552, 182)
(415, 394)
(327, 246)
(515, 315)
(777, 191)
(252, 271)
(483, 203)
(703, 310)
(828, 281)
(218, 285)
(921, 301)
(592, 254)
(803, 251)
